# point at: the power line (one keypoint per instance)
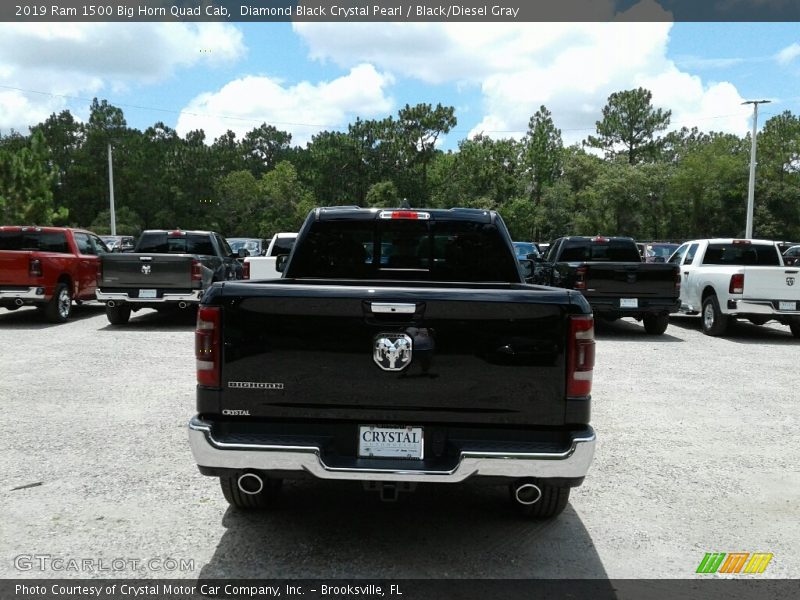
(328, 126)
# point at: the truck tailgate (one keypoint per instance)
(488, 356)
(630, 280)
(14, 268)
(162, 271)
(772, 283)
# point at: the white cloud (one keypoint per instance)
(302, 109)
(788, 54)
(571, 68)
(46, 61)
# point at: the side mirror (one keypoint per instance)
(535, 257)
(527, 268)
(242, 253)
(280, 262)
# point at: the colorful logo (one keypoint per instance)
(734, 562)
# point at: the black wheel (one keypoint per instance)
(714, 322)
(118, 315)
(266, 491)
(551, 503)
(655, 324)
(60, 305)
(795, 327)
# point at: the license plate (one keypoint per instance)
(787, 305)
(629, 303)
(389, 442)
(147, 293)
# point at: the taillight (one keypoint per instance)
(207, 346)
(35, 267)
(677, 281)
(737, 284)
(580, 279)
(99, 275)
(246, 270)
(580, 355)
(197, 270)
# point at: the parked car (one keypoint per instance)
(525, 249)
(254, 246)
(48, 267)
(119, 243)
(612, 276)
(167, 269)
(792, 256)
(344, 369)
(726, 279)
(658, 251)
(265, 267)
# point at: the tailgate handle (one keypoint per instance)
(146, 258)
(392, 308)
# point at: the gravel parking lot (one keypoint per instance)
(696, 454)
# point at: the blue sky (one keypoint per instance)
(306, 77)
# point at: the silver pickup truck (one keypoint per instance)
(168, 269)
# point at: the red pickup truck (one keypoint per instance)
(48, 267)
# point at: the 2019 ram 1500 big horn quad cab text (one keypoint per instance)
(167, 269)
(726, 279)
(435, 364)
(610, 273)
(48, 267)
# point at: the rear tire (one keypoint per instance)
(714, 322)
(551, 504)
(60, 305)
(656, 324)
(118, 315)
(236, 498)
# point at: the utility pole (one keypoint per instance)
(111, 191)
(751, 188)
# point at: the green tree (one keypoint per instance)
(417, 130)
(383, 194)
(26, 185)
(777, 198)
(542, 151)
(128, 222)
(630, 122)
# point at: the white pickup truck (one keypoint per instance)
(264, 267)
(726, 279)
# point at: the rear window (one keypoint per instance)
(404, 249)
(162, 243)
(32, 240)
(282, 246)
(610, 251)
(741, 254)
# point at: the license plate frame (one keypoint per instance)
(787, 305)
(629, 303)
(148, 293)
(380, 446)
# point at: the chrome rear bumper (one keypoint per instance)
(194, 297)
(571, 463)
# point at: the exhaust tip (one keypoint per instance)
(527, 493)
(19, 302)
(250, 484)
(111, 304)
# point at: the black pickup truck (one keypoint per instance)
(610, 273)
(400, 347)
(167, 269)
